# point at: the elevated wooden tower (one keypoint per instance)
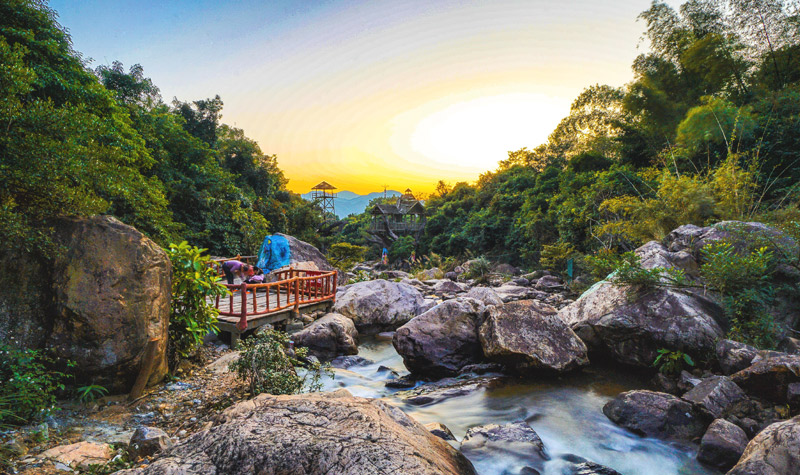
(324, 196)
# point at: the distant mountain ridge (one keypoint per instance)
(348, 203)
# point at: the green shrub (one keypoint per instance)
(554, 257)
(743, 280)
(194, 281)
(267, 366)
(479, 269)
(671, 362)
(344, 255)
(29, 388)
(91, 392)
(628, 270)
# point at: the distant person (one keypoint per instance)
(234, 268)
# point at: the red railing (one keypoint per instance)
(299, 287)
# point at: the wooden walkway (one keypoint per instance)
(292, 292)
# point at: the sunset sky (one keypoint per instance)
(372, 93)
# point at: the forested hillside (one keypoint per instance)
(79, 142)
(709, 129)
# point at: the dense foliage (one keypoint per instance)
(268, 365)
(194, 281)
(30, 386)
(707, 131)
(78, 142)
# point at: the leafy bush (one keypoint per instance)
(267, 365)
(479, 269)
(91, 392)
(671, 362)
(743, 281)
(194, 281)
(29, 387)
(554, 257)
(344, 255)
(628, 270)
(402, 248)
(361, 276)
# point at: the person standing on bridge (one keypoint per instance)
(233, 269)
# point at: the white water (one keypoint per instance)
(565, 412)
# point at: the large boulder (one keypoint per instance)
(774, 451)
(632, 331)
(300, 255)
(722, 445)
(769, 378)
(97, 302)
(655, 414)
(379, 305)
(110, 280)
(528, 336)
(311, 434)
(442, 340)
(485, 294)
(328, 337)
(148, 441)
(717, 394)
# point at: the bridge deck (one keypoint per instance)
(250, 306)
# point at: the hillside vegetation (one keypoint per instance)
(708, 130)
(80, 142)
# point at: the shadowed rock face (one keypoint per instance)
(528, 336)
(722, 445)
(330, 336)
(379, 305)
(442, 340)
(717, 395)
(769, 378)
(312, 434)
(655, 414)
(632, 332)
(774, 451)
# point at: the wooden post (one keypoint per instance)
(242, 325)
(148, 361)
(335, 283)
(297, 295)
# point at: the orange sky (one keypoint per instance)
(373, 93)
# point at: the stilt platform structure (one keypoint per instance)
(406, 217)
(324, 196)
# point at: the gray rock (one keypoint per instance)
(549, 283)
(506, 269)
(442, 340)
(344, 362)
(516, 437)
(522, 281)
(485, 295)
(379, 305)
(446, 388)
(770, 378)
(528, 336)
(717, 395)
(330, 336)
(734, 356)
(793, 396)
(654, 414)
(314, 434)
(591, 468)
(448, 287)
(509, 292)
(303, 255)
(632, 331)
(148, 441)
(774, 451)
(722, 445)
(429, 274)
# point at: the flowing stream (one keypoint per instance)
(566, 412)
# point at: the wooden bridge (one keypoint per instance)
(293, 291)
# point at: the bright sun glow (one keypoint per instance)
(480, 132)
